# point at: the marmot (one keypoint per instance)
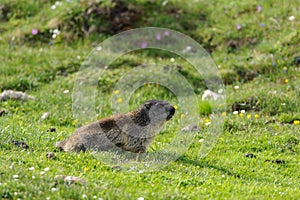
(132, 131)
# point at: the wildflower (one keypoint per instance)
(158, 37)
(296, 122)
(286, 80)
(119, 100)
(207, 120)
(116, 92)
(238, 27)
(56, 31)
(166, 33)
(223, 113)
(42, 173)
(86, 169)
(243, 111)
(172, 59)
(15, 176)
(236, 87)
(241, 114)
(144, 45)
(54, 189)
(34, 31)
(291, 18)
(31, 168)
(201, 140)
(140, 198)
(285, 69)
(262, 24)
(46, 169)
(258, 8)
(248, 116)
(84, 196)
(207, 123)
(235, 112)
(256, 116)
(33, 177)
(99, 48)
(176, 107)
(66, 91)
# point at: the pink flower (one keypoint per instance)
(238, 27)
(258, 8)
(144, 45)
(158, 36)
(166, 33)
(34, 31)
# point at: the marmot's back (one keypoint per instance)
(131, 132)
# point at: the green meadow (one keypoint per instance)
(255, 48)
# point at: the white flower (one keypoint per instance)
(46, 169)
(99, 48)
(58, 3)
(207, 123)
(42, 173)
(16, 176)
(243, 111)
(235, 112)
(292, 18)
(56, 31)
(47, 198)
(172, 59)
(66, 91)
(33, 177)
(54, 36)
(236, 87)
(141, 198)
(54, 189)
(45, 115)
(201, 140)
(53, 7)
(84, 196)
(31, 168)
(15, 193)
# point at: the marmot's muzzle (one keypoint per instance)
(171, 112)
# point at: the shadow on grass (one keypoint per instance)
(206, 164)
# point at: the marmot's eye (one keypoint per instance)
(148, 105)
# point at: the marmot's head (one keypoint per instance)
(157, 110)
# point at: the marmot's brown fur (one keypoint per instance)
(131, 132)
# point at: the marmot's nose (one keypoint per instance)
(171, 110)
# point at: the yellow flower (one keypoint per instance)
(176, 107)
(296, 122)
(86, 169)
(241, 114)
(256, 116)
(248, 116)
(223, 113)
(116, 92)
(74, 122)
(120, 100)
(286, 80)
(207, 120)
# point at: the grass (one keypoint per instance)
(262, 60)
